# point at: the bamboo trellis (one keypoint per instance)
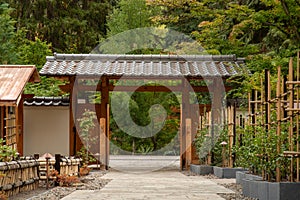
(232, 121)
(286, 104)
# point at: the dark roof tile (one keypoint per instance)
(47, 101)
(143, 65)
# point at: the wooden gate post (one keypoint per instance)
(104, 150)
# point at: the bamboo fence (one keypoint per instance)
(283, 99)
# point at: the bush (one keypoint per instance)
(7, 153)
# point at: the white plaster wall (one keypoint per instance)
(46, 130)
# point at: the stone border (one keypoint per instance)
(219, 172)
(224, 172)
(201, 169)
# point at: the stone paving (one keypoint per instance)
(166, 184)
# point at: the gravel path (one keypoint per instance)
(93, 181)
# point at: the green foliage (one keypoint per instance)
(256, 150)
(266, 32)
(71, 26)
(7, 153)
(129, 14)
(144, 149)
(48, 87)
(85, 155)
(206, 145)
(202, 143)
(87, 124)
(7, 35)
(139, 105)
(31, 52)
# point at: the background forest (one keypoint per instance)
(265, 32)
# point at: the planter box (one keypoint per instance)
(254, 187)
(226, 172)
(201, 169)
(240, 175)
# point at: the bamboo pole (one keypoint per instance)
(262, 99)
(230, 133)
(278, 130)
(268, 110)
(297, 118)
(290, 113)
(249, 108)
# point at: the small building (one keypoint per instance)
(46, 125)
(13, 79)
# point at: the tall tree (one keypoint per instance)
(71, 26)
(7, 35)
(129, 14)
(244, 27)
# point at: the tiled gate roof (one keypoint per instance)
(143, 65)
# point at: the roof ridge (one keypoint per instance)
(151, 57)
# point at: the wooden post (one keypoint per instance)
(208, 124)
(72, 105)
(57, 162)
(103, 123)
(216, 110)
(17, 127)
(20, 126)
(47, 172)
(188, 128)
(185, 107)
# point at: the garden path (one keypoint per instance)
(167, 183)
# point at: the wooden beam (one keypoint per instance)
(66, 88)
(140, 88)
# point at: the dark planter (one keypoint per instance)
(254, 187)
(201, 169)
(226, 172)
(239, 176)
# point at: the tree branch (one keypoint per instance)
(287, 12)
(278, 27)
